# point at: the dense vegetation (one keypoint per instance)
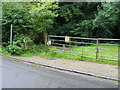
(90, 19)
(32, 20)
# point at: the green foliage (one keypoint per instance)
(40, 50)
(30, 19)
(106, 19)
(17, 14)
(14, 49)
(20, 44)
(42, 16)
(22, 41)
(4, 51)
(88, 19)
(84, 28)
(75, 19)
(34, 50)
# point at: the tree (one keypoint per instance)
(28, 19)
(75, 18)
(43, 15)
(106, 19)
(88, 19)
(17, 14)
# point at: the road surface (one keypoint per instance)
(21, 75)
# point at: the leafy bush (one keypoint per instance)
(4, 51)
(14, 49)
(20, 44)
(23, 44)
(23, 41)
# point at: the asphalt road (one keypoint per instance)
(21, 75)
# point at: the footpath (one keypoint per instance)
(88, 68)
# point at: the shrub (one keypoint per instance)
(23, 41)
(20, 44)
(14, 49)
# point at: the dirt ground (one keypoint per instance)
(89, 67)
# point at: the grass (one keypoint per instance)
(3, 51)
(34, 50)
(87, 51)
(105, 53)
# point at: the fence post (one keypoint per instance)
(70, 46)
(46, 41)
(97, 49)
(11, 34)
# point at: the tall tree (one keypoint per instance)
(107, 19)
(17, 14)
(75, 19)
(43, 15)
(28, 19)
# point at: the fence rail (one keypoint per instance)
(86, 47)
(86, 38)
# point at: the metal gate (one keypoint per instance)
(95, 48)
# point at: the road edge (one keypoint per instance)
(63, 69)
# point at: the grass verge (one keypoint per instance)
(66, 54)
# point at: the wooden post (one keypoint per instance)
(70, 47)
(82, 54)
(97, 49)
(46, 41)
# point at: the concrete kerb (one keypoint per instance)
(64, 69)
